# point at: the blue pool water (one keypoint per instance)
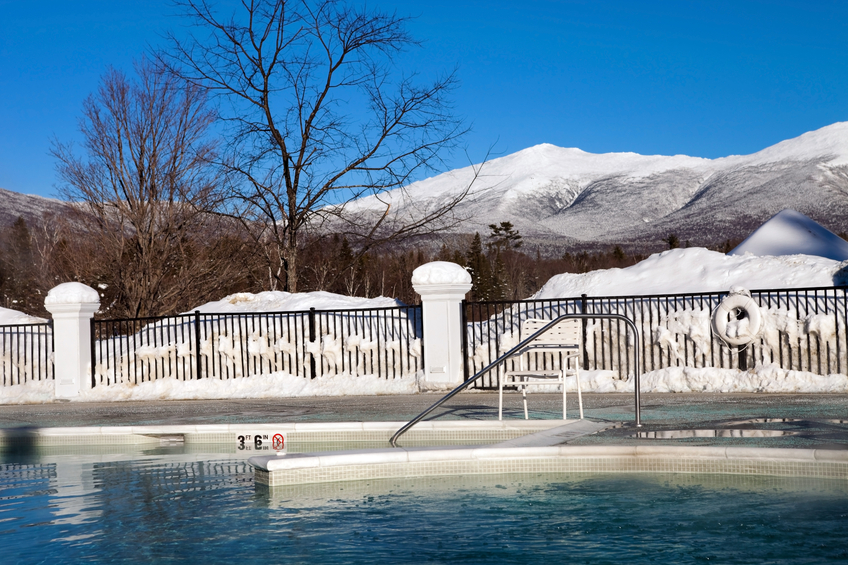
(185, 508)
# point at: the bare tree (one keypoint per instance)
(319, 116)
(147, 156)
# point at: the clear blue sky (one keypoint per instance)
(702, 78)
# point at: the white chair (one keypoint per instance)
(562, 340)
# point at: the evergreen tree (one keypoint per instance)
(672, 240)
(503, 236)
(481, 271)
(17, 265)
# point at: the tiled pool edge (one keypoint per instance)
(472, 431)
(295, 469)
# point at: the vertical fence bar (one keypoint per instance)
(312, 340)
(91, 352)
(197, 361)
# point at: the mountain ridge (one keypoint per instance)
(563, 199)
(626, 198)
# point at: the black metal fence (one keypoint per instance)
(375, 341)
(803, 330)
(26, 353)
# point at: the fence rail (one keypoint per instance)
(26, 353)
(803, 330)
(376, 341)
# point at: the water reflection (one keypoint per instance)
(681, 434)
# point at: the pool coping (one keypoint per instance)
(477, 431)
(353, 465)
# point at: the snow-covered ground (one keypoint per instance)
(699, 270)
(275, 385)
(278, 301)
(9, 317)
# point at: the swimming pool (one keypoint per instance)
(166, 505)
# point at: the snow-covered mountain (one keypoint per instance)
(27, 206)
(563, 195)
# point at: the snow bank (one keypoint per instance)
(697, 270)
(278, 301)
(440, 272)
(791, 233)
(276, 385)
(763, 378)
(8, 316)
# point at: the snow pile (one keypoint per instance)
(276, 385)
(9, 317)
(440, 272)
(278, 301)
(72, 293)
(763, 378)
(791, 233)
(697, 270)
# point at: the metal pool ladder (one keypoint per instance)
(500, 360)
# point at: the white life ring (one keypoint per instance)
(737, 319)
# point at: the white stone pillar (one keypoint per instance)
(72, 305)
(442, 287)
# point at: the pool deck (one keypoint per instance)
(802, 421)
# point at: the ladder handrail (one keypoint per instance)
(522, 344)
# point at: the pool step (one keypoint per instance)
(559, 435)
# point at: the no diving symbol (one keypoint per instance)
(278, 442)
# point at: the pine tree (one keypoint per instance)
(672, 240)
(17, 280)
(481, 271)
(503, 236)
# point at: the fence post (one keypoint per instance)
(442, 287)
(743, 357)
(312, 340)
(585, 323)
(72, 305)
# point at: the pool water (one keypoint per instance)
(189, 508)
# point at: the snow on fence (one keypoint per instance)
(803, 330)
(377, 341)
(26, 353)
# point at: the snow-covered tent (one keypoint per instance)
(792, 233)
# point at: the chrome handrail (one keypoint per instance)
(512, 351)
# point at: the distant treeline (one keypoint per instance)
(217, 260)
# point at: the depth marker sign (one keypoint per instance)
(263, 441)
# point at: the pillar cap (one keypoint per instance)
(72, 293)
(440, 273)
